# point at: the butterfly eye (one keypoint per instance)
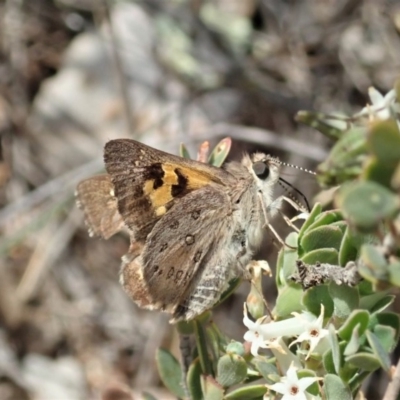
(261, 169)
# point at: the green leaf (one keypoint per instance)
(184, 152)
(376, 302)
(201, 343)
(365, 361)
(388, 319)
(170, 372)
(353, 345)
(287, 261)
(329, 125)
(377, 172)
(220, 152)
(358, 318)
(193, 380)
(212, 390)
(335, 389)
(329, 256)
(336, 353)
(322, 237)
(348, 251)
(246, 392)
(378, 350)
(394, 273)
(345, 299)
(365, 204)
(326, 218)
(386, 336)
(311, 218)
(345, 160)
(288, 301)
(266, 369)
(328, 362)
(315, 296)
(384, 141)
(231, 369)
(373, 266)
(148, 396)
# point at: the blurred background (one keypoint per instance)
(75, 74)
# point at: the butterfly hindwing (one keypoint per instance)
(95, 196)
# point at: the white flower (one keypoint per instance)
(254, 334)
(313, 330)
(381, 107)
(265, 335)
(291, 386)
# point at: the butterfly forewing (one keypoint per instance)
(147, 181)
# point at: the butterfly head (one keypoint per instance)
(264, 169)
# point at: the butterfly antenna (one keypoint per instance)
(281, 181)
(297, 167)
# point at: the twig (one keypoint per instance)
(318, 274)
(123, 84)
(393, 388)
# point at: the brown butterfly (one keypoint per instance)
(193, 227)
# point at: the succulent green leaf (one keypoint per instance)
(315, 296)
(185, 327)
(378, 172)
(335, 389)
(235, 348)
(201, 344)
(184, 152)
(354, 343)
(373, 266)
(387, 319)
(193, 380)
(358, 318)
(287, 261)
(345, 299)
(170, 372)
(394, 273)
(365, 204)
(327, 255)
(328, 362)
(326, 218)
(266, 369)
(220, 152)
(348, 251)
(308, 373)
(231, 369)
(288, 301)
(315, 212)
(376, 302)
(336, 353)
(386, 336)
(331, 126)
(322, 237)
(246, 392)
(148, 396)
(378, 350)
(345, 160)
(384, 141)
(212, 390)
(365, 361)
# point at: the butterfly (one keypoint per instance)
(193, 227)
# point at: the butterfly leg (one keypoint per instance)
(273, 207)
(303, 213)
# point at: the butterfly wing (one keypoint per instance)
(189, 256)
(95, 196)
(147, 181)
